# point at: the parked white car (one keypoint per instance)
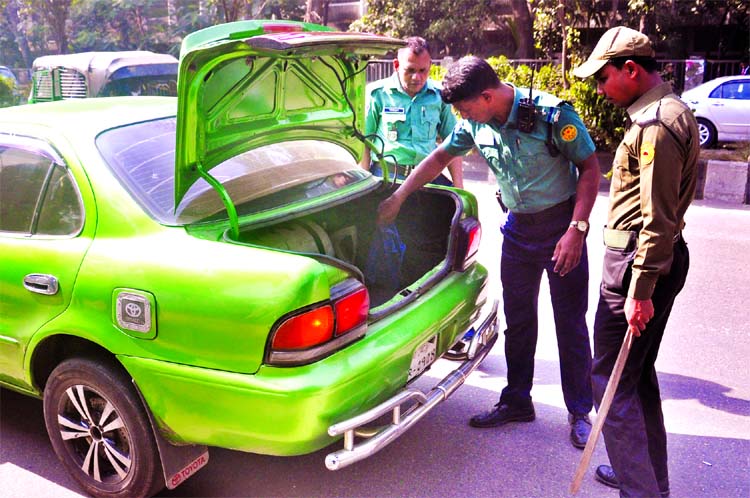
(722, 107)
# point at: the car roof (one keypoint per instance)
(87, 61)
(97, 67)
(78, 118)
(721, 79)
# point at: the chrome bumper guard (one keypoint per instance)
(419, 404)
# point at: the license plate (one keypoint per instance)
(423, 357)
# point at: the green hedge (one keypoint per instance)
(8, 94)
(605, 122)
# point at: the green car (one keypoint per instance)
(205, 270)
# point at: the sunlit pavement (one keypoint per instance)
(702, 370)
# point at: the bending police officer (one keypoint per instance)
(548, 176)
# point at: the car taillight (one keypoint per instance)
(467, 239)
(312, 333)
(475, 237)
(305, 330)
(351, 311)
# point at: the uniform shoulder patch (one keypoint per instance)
(647, 153)
(568, 133)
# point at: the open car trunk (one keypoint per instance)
(346, 235)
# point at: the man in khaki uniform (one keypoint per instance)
(646, 259)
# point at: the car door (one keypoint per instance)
(41, 245)
(730, 109)
(736, 108)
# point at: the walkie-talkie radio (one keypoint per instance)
(527, 110)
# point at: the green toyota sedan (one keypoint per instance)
(205, 270)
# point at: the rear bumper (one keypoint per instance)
(288, 410)
(417, 404)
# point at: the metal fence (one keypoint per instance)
(683, 73)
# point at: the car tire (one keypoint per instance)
(100, 431)
(706, 133)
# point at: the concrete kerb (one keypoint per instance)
(725, 181)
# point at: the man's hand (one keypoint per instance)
(638, 313)
(568, 251)
(388, 209)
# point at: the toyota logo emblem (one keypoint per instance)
(133, 310)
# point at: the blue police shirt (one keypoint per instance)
(528, 177)
(408, 126)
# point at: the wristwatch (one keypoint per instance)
(580, 225)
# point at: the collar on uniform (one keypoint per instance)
(392, 83)
(648, 98)
(517, 96)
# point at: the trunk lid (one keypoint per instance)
(248, 84)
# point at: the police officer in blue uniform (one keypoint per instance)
(548, 176)
(408, 116)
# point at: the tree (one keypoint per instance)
(12, 25)
(451, 26)
(316, 11)
(522, 25)
(55, 14)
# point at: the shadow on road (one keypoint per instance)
(441, 456)
(707, 393)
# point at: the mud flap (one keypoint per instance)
(178, 462)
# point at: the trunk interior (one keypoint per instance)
(347, 232)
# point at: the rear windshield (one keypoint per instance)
(142, 158)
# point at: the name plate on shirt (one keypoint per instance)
(394, 110)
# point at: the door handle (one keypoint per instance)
(41, 284)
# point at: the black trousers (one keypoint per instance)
(634, 432)
(528, 244)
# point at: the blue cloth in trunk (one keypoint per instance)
(383, 266)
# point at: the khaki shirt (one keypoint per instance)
(653, 182)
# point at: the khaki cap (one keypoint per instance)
(616, 42)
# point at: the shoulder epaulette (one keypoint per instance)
(649, 115)
(551, 114)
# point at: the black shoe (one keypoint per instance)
(606, 475)
(502, 414)
(580, 428)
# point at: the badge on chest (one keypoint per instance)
(391, 116)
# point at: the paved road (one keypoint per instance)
(703, 373)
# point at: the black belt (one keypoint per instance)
(401, 169)
(544, 215)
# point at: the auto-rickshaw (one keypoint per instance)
(103, 74)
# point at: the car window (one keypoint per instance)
(164, 86)
(61, 212)
(737, 90)
(142, 157)
(37, 196)
(743, 90)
